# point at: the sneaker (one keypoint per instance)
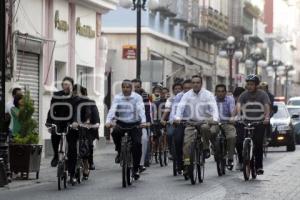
(147, 164)
(239, 167)
(54, 162)
(260, 171)
(136, 175)
(92, 167)
(230, 164)
(206, 153)
(73, 180)
(117, 159)
(142, 169)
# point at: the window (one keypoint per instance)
(85, 76)
(59, 73)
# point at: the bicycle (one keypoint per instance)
(126, 158)
(83, 151)
(196, 168)
(160, 144)
(248, 150)
(62, 172)
(220, 151)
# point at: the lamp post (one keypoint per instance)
(273, 65)
(258, 58)
(138, 6)
(288, 68)
(230, 50)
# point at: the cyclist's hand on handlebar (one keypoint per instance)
(177, 121)
(74, 125)
(163, 122)
(108, 125)
(144, 125)
(266, 121)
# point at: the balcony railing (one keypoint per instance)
(182, 10)
(212, 23)
(167, 8)
(194, 11)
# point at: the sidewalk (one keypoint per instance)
(103, 158)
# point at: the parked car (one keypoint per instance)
(295, 113)
(294, 101)
(282, 128)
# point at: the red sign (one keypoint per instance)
(129, 52)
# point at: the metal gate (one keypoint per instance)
(27, 75)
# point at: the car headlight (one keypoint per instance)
(283, 128)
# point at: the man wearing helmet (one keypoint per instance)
(254, 104)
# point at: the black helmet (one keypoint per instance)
(254, 78)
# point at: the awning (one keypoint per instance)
(205, 68)
(170, 58)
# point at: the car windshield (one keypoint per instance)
(294, 111)
(294, 102)
(282, 113)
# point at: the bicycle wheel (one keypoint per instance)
(60, 171)
(166, 159)
(129, 173)
(194, 166)
(124, 174)
(246, 162)
(65, 179)
(218, 157)
(201, 169)
(253, 168)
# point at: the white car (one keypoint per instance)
(294, 101)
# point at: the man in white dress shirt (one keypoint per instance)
(128, 110)
(202, 107)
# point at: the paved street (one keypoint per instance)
(281, 181)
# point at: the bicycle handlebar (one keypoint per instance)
(127, 128)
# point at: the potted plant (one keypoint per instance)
(25, 153)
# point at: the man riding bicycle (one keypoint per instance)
(203, 107)
(254, 104)
(226, 106)
(179, 129)
(129, 112)
(60, 114)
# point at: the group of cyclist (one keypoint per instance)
(145, 117)
(69, 109)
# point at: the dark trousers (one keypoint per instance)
(135, 135)
(55, 139)
(239, 142)
(179, 139)
(258, 140)
(72, 139)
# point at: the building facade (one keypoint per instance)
(60, 38)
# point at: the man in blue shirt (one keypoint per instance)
(128, 111)
(226, 106)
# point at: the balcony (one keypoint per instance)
(167, 8)
(212, 25)
(193, 17)
(252, 10)
(258, 31)
(182, 10)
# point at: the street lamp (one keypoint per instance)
(257, 58)
(230, 50)
(138, 6)
(275, 65)
(288, 68)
